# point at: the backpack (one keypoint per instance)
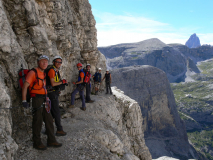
(86, 77)
(22, 78)
(48, 83)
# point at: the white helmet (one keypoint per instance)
(43, 57)
(99, 69)
(88, 65)
(107, 70)
(57, 57)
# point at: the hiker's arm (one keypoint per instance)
(103, 78)
(82, 80)
(53, 83)
(24, 90)
(110, 79)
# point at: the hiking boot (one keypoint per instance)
(39, 147)
(61, 133)
(84, 109)
(54, 144)
(71, 106)
(90, 101)
(111, 93)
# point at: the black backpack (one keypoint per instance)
(48, 83)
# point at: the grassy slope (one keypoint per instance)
(194, 97)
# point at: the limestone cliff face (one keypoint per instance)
(148, 52)
(201, 53)
(165, 132)
(29, 29)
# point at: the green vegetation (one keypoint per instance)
(134, 53)
(134, 58)
(206, 67)
(195, 97)
(195, 94)
(202, 141)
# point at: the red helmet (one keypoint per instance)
(79, 65)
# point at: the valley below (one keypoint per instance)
(195, 106)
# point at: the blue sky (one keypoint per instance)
(171, 21)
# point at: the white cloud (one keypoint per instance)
(206, 38)
(116, 29)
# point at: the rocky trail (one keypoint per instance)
(91, 134)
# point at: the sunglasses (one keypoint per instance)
(58, 62)
(78, 67)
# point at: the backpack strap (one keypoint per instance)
(57, 74)
(36, 74)
(37, 78)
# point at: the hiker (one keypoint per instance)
(97, 80)
(36, 82)
(108, 81)
(54, 85)
(88, 84)
(79, 88)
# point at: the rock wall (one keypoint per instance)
(201, 53)
(30, 28)
(164, 131)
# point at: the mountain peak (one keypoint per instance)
(193, 41)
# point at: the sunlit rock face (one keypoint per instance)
(164, 131)
(29, 29)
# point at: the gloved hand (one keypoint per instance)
(73, 83)
(64, 81)
(25, 105)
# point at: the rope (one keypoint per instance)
(11, 107)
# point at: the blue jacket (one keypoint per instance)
(97, 77)
(79, 78)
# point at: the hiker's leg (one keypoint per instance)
(107, 87)
(82, 98)
(48, 120)
(55, 110)
(98, 86)
(88, 92)
(110, 88)
(37, 104)
(73, 96)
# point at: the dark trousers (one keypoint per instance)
(40, 115)
(81, 93)
(108, 87)
(55, 110)
(88, 91)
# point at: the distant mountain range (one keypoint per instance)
(173, 59)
